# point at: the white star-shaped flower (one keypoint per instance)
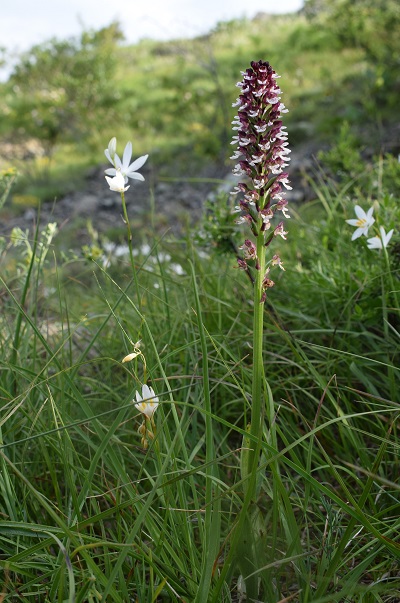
(362, 222)
(127, 169)
(117, 183)
(147, 403)
(379, 242)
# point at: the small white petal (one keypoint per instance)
(357, 233)
(107, 154)
(117, 183)
(137, 164)
(360, 213)
(136, 176)
(127, 154)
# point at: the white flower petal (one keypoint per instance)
(374, 243)
(389, 235)
(112, 146)
(369, 215)
(147, 392)
(117, 183)
(127, 155)
(136, 176)
(360, 213)
(107, 154)
(136, 165)
(357, 233)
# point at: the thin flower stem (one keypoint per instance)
(258, 320)
(128, 226)
(392, 284)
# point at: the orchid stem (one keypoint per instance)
(258, 323)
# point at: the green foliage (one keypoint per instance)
(87, 513)
(344, 157)
(63, 90)
(174, 98)
(7, 180)
(370, 25)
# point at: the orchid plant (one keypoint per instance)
(263, 154)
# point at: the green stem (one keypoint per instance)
(387, 297)
(258, 320)
(392, 285)
(128, 226)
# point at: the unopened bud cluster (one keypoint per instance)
(263, 154)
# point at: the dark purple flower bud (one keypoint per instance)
(267, 282)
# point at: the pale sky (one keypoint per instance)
(27, 22)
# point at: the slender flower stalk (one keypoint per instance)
(381, 242)
(263, 154)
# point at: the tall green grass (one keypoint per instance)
(87, 515)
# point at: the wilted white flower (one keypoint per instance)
(379, 242)
(117, 183)
(147, 403)
(363, 221)
(127, 169)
